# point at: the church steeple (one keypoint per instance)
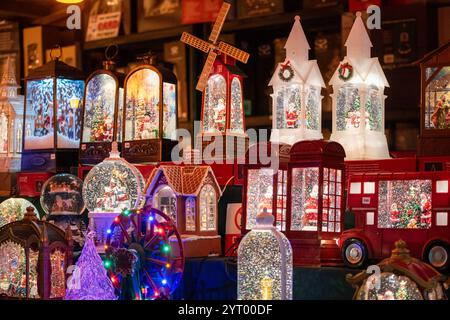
(8, 83)
(297, 46)
(358, 42)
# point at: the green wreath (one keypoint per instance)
(286, 72)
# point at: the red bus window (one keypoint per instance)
(331, 212)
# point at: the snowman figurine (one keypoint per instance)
(146, 127)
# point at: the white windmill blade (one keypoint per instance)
(195, 42)
(220, 20)
(201, 84)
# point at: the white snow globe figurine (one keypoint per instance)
(264, 263)
(109, 188)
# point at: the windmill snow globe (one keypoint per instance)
(221, 84)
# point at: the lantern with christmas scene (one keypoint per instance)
(296, 83)
(13, 209)
(401, 277)
(315, 200)
(102, 114)
(109, 188)
(11, 118)
(190, 196)
(358, 99)
(435, 103)
(34, 256)
(222, 131)
(52, 120)
(264, 263)
(265, 184)
(150, 113)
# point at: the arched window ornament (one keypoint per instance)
(208, 208)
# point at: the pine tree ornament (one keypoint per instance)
(90, 280)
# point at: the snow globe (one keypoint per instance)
(13, 209)
(111, 187)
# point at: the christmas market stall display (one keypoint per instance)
(102, 113)
(144, 255)
(150, 113)
(11, 119)
(109, 188)
(89, 279)
(401, 277)
(189, 195)
(358, 99)
(52, 124)
(315, 197)
(412, 206)
(264, 263)
(296, 83)
(34, 256)
(62, 201)
(435, 103)
(13, 209)
(221, 83)
(265, 187)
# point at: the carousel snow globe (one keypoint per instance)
(111, 187)
(13, 209)
(62, 201)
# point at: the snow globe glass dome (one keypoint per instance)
(265, 263)
(111, 187)
(14, 209)
(399, 277)
(61, 195)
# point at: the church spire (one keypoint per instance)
(297, 46)
(358, 42)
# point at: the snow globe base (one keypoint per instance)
(370, 146)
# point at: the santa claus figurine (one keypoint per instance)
(220, 115)
(311, 208)
(291, 116)
(395, 215)
(425, 206)
(146, 127)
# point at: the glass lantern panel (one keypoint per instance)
(33, 258)
(69, 95)
(12, 270)
(437, 98)
(57, 276)
(313, 108)
(120, 116)
(280, 218)
(305, 199)
(142, 105)
(259, 194)
(99, 109)
(169, 110)
(190, 214)
(215, 104)
(288, 107)
(236, 122)
(374, 109)
(39, 114)
(208, 208)
(18, 140)
(348, 114)
(331, 201)
(391, 287)
(4, 132)
(165, 200)
(405, 204)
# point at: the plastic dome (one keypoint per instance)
(62, 195)
(13, 209)
(113, 185)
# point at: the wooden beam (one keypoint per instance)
(55, 17)
(21, 9)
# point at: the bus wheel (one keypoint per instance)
(354, 253)
(437, 254)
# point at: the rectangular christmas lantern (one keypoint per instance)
(52, 120)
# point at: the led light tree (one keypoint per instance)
(90, 280)
(264, 263)
(358, 99)
(296, 83)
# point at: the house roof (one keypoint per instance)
(308, 73)
(433, 53)
(183, 180)
(366, 70)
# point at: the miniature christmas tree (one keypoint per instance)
(89, 280)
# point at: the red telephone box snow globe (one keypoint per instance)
(315, 202)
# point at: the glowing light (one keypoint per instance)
(106, 247)
(151, 218)
(108, 231)
(113, 279)
(168, 265)
(166, 248)
(156, 294)
(107, 264)
(164, 281)
(116, 219)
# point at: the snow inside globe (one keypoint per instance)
(62, 195)
(109, 188)
(14, 209)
